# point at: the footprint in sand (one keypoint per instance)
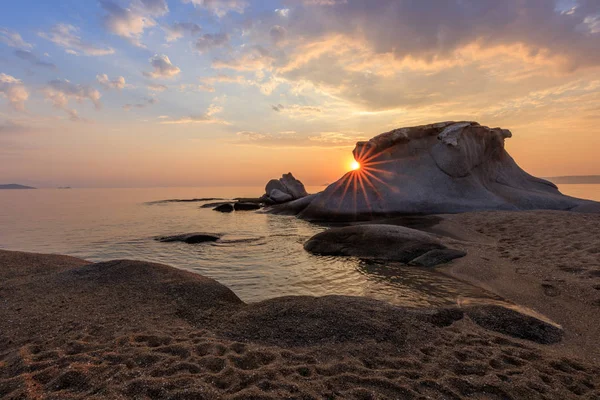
(550, 290)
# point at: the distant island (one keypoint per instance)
(582, 179)
(15, 186)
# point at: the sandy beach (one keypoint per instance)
(126, 329)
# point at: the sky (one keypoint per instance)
(137, 93)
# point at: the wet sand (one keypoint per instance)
(125, 329)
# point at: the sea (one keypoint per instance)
(259, 256)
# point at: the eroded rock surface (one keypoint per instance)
(447, 167)
(383, 242)
(284, 189)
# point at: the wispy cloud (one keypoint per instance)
(220, 7)
(66, 36)
(209, 41)
(208, 117)
(131, 22)
(14, 90)
(60, 92)
(33, 59)
(162, 67)
(13, 39)
(148, 101)
(116, 83)
(177, 30)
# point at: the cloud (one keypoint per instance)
(179, 29)
(296, 109)
(209, 41)
(66, 36)
(14, 90)
(293, 139)
(156, 87)
(116, 83)
(13, 39)
(251, 58)
(163, 68)
(220, 7)
(60, 92)
(208, 117)
(148, 101)
(130, 22)
(411, 28)
(33, 59)
(278, 34)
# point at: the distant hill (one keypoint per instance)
(585, 179)
(15, 186)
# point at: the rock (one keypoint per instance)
(514, 323)
(384, 242)
(437, 257)
(246, 206)
(285, 189)
(280, 197)
(274, 184)
(293, 186)
(190, 238)
(224, 208)
(447, 167)
(213, 205)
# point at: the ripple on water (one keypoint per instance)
(260, 256)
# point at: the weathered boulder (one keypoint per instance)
(447, 167)
(280, 197)
(383, 242)
(190, 238)
(225, 208)
(242, 206)
(285, 189)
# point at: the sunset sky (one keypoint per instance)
(128, 93)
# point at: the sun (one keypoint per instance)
(354, 165)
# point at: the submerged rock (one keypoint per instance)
(285, 189)
(190, 238)
(383, 242)
(447, 167)
(225, 208)
(241, 206)
(437, 257)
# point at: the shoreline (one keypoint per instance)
(75, 329)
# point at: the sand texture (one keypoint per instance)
(125, 329)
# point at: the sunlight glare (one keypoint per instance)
(354, 165)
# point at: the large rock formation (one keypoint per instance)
(447, 167)
(285, 189)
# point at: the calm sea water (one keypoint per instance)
(260, 256)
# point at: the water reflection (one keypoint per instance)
(260, 256)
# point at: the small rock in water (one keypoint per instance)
(246, 206)
(437, 257)
(213, 205)
(190, 238)
(225, 208)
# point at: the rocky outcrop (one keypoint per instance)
(447, 167)
(285, 189)
(382, 242)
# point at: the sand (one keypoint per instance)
(126, 329)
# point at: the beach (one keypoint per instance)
(125, 329)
